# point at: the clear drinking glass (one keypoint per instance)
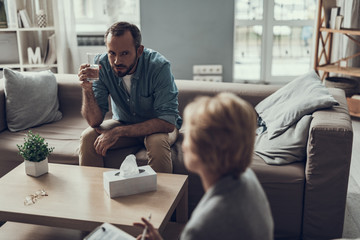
(94, 66)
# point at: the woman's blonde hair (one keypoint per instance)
(221, 131)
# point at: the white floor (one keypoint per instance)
(352, 214)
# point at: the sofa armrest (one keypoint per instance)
(327, 170)
(3, 124)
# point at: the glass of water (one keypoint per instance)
(94, 66)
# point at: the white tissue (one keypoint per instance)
(129, 166)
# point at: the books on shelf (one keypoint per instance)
(334, 13)
(328, 4)
(10, 8)
(25, 19)
(20, 24)
(50, 51)
(3, 18)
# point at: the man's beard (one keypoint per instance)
(128, 70)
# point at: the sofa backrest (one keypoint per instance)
(70, 94)
(189, 90)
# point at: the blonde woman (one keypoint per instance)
(218, 146)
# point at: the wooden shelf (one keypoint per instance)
(342, 31)
(33, 36)
(323, 47)
(8, 29)
(32, 29)
(10, 65)
(336, 69)
(39, 65)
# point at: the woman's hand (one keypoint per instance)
(151, 234)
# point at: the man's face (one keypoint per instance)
(123, 56)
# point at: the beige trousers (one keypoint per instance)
(157, 147)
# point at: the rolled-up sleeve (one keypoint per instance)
(166, 96)
(101, 94)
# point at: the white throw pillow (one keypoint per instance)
(287, 105)
(31, 99)
(286, 148)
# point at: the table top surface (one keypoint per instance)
(77, 199)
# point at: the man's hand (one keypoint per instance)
(83, 75)
(86, 72)
(103, 142)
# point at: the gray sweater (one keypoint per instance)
(232, 209)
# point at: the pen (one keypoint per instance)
(145, 229)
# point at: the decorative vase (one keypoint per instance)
(41, 18)
(36, 169)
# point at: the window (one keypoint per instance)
(93, 17)
(273, 39)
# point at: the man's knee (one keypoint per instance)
(158, 152)
(87, 153)
(156, 141)
(88, 137)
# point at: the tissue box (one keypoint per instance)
(117, 186)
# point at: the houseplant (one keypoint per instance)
(35, 152)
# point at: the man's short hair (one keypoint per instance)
(119, 29)
(221, 132)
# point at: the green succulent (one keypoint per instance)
(35, 149)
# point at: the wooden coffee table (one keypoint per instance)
(77, 200)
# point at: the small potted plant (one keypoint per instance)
(35, 152)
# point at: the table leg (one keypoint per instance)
(182, 208)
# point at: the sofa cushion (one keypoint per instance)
(64, 135)
(284, 188)
(286, 106)
(31, 99)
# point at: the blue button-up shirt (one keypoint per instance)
(153, 92)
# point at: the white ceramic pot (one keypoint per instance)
(36, 169)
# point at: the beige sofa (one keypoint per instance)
(307, 199)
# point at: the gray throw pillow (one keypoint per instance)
(287, 105)
(286, 148)
(31, 99)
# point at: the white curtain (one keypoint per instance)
(66, 37)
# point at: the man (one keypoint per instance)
(143, 100)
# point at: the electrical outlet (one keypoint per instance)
(215, 69)
(198, 78)
(207, 69)
(207, 78)
(196, 69)
(216, 78)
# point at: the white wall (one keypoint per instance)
(89, 49)
(190, 32)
